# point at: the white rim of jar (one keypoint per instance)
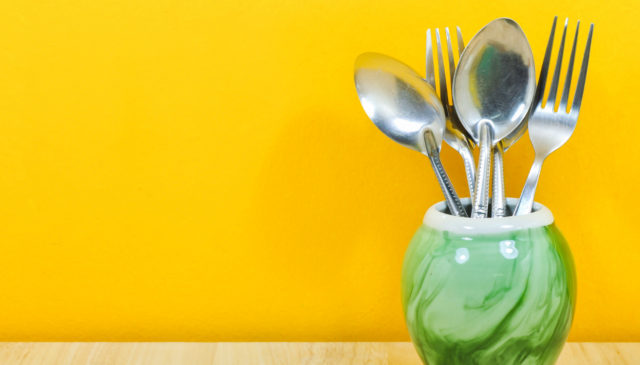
(436, 218)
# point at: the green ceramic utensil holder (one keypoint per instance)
(495, 291)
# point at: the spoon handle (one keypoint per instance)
(483, 176)
(498, 200)
(525, 203)
(469, 164)
(450, 195)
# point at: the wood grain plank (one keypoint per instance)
(317, 353)
(280, 353)
(600, 353)
(107, 353)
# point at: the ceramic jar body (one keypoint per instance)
(497, 292)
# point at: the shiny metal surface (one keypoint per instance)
(405, 108)
(499, 206)
(493, 87)
(495, 79)
(548, 129)
(480, 206)
(398, 101)
(455, 134)
(514, 136)
(451, 197)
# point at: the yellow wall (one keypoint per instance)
(203, 170)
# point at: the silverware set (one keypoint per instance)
(494, 101)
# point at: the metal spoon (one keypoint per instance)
(493, 88)
(405, 108)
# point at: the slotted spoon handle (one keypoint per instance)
(450, 195)
(469, 164)
(483, 175)
(498, 199)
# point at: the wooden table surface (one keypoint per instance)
(285, 353)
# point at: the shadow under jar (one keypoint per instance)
(493, 291)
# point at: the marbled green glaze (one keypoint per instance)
(498, 307)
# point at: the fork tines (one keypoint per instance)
(551, 99)
(430, 75)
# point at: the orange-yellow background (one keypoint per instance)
(203, 170)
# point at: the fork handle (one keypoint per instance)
(469, 164)
(450, 195)
(498, 200)
(525, 203)
(483, 175)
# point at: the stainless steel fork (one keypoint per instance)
(549, 129)
(455, 134)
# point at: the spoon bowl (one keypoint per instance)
(407, 109)
(495, 82)
(398, 101)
